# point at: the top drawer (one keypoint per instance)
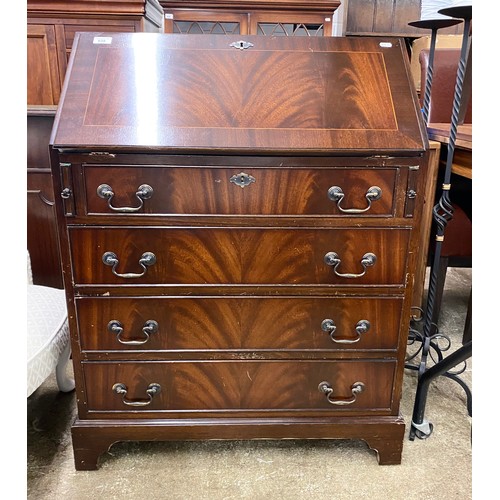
(161, 190)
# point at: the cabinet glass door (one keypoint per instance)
(206, 23)
(290, 25)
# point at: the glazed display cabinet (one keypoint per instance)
(251, 17)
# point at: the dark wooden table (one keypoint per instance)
(462, 159)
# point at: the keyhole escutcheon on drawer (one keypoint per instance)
(242, 179)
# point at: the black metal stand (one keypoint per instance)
(421, 428)
(430, 336)
(434, 25)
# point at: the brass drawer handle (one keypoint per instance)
(144, 192)
(329, 326)
(336, 194)
(151, 391)
(326, 389)
(147, 259)
(332, 259)
(115, 327)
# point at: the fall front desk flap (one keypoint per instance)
(222, 94)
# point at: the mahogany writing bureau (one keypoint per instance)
(239, 226)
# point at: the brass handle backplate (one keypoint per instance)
(147, 259)
(151, 391)
(150, 326)
(336, 194)
(326, 389)
(332, 259)
(328, 325)
(144, 192)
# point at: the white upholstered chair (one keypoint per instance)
(48, 346)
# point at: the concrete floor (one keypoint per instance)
(438, 468)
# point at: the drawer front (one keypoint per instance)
(238, 385)
(112, 255)
(236, 323)
(240, 191)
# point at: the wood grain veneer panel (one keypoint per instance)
(187, 90)
(248, 323)
(284, 93)
(239, 256)
(243, 385)
(281, 191)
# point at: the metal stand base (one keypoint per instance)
(430, 337)
(419, 426)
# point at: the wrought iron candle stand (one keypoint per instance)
(430, 336)
(434, 25)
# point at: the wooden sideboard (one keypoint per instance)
(254, 17)
(239, 239)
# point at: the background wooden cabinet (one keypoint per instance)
(42, 240)
(43, 63)
(253, 17)
(387, 17)
(51, 29)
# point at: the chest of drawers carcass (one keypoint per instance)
(239, 223)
